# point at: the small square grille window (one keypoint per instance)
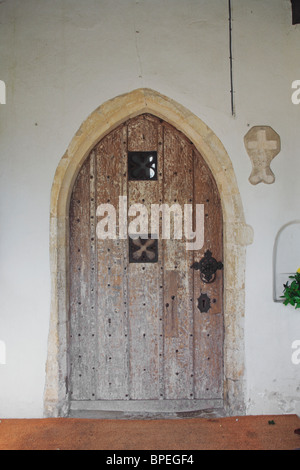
(143, 250)
(142, 166)
(296, 11)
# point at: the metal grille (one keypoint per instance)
(142, 166)
(143, 250)
(296, 11)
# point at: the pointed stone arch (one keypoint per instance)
(237, 235)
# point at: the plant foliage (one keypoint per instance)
(291, 292)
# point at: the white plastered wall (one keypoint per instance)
(62, 59)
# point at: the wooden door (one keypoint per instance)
(146, 325)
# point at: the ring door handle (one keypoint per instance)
(208, 267)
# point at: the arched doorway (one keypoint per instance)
(236, 235)
(146, 328)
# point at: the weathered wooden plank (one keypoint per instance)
(171, 319)
(144, 279)
(80, 261)
(178, 189)
(112, 335)
(146, 406)
(160, 298)
(91, 314)
(143, 133)
(209, 326)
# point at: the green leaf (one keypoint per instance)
(291, 293)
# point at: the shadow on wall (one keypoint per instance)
(2, 92)
(2, 353)
(286, 256)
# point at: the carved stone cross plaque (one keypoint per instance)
(262, 144)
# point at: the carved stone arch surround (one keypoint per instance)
(237, 235)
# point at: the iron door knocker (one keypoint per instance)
(208, 267)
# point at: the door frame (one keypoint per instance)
(236, 236)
